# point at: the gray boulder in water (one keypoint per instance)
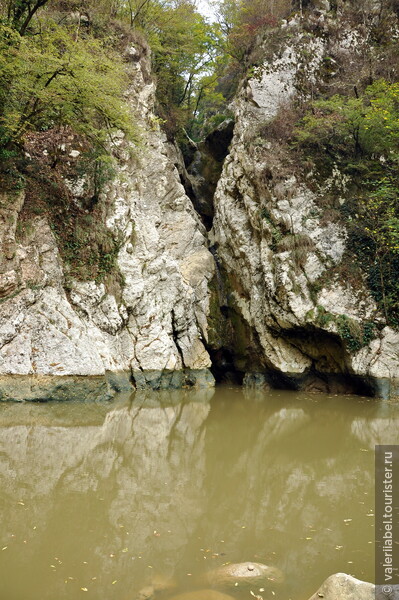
(247, 573)
(345, 587)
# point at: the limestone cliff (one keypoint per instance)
(155, 324)
(298, 319)
(263, 297)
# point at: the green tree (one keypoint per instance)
(52, 79)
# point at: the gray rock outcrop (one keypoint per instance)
(280, 253)
(262, 297)
(345, 587)
(52, 324)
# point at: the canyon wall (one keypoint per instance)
(256, 288)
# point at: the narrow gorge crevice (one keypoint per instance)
(200, 166)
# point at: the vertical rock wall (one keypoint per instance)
(52, 324)
(281, 254)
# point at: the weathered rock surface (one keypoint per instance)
(243, 574)
(268, 303)
(345, 587)
(286, 309)
(156, 328)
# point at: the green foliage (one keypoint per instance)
(346, 126)
(355, 335)
(19, 13)
(243, 21)
(360, 135)
(52, 79)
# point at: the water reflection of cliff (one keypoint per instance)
(109, 494)
(302, 480)
(122, 495)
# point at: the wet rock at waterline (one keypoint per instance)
(246, 573)
(159, 584)
(344, 587)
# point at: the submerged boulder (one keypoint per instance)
(202, 595)
(246, 573)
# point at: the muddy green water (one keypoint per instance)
(98, 499)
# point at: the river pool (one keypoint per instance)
(99, 500)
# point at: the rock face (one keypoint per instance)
(155, 328)
(262, 297)
(281, 254)
(345, 587)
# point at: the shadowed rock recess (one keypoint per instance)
(239, 285)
